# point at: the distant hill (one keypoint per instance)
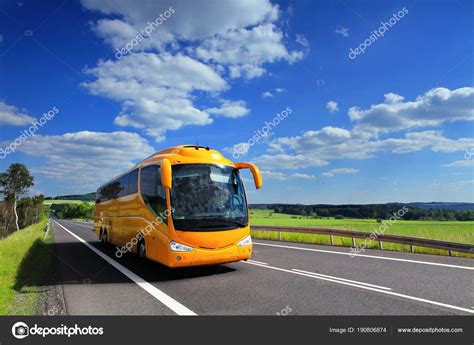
(443, 205)
(459, 206)
(82, 197)
(415, 211)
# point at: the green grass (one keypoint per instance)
(50, 202)
(24, 262)
(454, 231)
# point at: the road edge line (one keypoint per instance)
(168, 301)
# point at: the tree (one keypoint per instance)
(24, 208)
(38, 205)
(14, 183)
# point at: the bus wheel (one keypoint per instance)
(141, 249)
(104, 237)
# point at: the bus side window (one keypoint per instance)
(133, 182)
(97, 195)
(110, 191)
(152, 190)
(123, 182)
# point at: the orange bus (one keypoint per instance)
(183, 206)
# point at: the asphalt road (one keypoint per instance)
(282, 278)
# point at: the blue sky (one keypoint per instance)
(392, 124)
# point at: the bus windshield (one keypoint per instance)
(207, 197)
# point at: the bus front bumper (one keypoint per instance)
(199, 256)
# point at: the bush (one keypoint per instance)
(83, 210)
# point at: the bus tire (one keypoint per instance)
(141, 249)
(104, 238)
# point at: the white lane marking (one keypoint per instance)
(365, 256)
(370, 288)
(343, 279)
(168, 301)
(257, 262)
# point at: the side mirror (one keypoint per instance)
(166, 178)
(257, 177)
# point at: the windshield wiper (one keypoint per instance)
(224, 219)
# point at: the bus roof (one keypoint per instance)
(181, 154)
(188, 154)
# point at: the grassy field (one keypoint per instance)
(24, 261)
(50, 202)
(462, 232)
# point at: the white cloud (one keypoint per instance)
(340, 171)
(11, 116)
(267, 94)
(230, 109)
(155, 90)
(416, 141)
(86, 158)
(457, 186)
(246, 50)
(301, 39)
(247, 71)
(167, 74)
(118, 34)
(285, 161)
(302, 176)
(431, 109)
(274, 175)
(242, 149)
(340, 30)
(270, 93)
(157, 133)
(159, 83)
(326, 138)
(293, 188)
(332, 106)
(466, 163)
(191, 18)
(332, 143)
(241, 34)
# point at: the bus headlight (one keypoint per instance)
(179, 247)
(246, 241)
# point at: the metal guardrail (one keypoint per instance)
(411, 241)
